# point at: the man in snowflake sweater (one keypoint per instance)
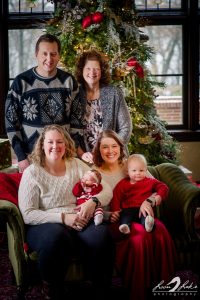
(41, 96)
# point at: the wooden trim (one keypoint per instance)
(3, 62)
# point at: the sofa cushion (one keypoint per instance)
(9, 184)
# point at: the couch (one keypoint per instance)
(177, 213)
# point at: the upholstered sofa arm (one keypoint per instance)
(178, 210)
(15, 235)
(14, 218)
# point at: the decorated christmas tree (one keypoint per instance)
(114, 29)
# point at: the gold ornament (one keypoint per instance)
(145, 140)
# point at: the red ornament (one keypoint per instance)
(139, 71)
(87, 21)
(97, 17)
(132, 62)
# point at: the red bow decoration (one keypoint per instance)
(132, 62)
(95, 18)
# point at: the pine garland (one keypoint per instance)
(113, 28)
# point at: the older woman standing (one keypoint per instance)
(143, 259)
(101, 105)
(54, 229)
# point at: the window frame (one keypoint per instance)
(188, 17)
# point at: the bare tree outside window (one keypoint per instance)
(21, 6)
(166, 65)
(157, 4)
(22, 50)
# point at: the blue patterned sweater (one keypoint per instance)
(34, 102)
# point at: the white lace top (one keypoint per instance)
(94, 122)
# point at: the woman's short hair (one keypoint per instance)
(38, 156)
(96, 56)
(98, 161)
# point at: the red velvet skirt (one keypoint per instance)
(144, 259)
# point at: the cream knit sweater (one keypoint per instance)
(42, 196)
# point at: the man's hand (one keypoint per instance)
(23, 164)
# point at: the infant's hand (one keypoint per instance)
(114, 216)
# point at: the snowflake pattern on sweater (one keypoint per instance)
(34, 102)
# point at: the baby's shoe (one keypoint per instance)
(124, 228)
(149, 223)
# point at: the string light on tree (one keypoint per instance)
(116, 31)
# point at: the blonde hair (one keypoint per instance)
(38, 156)
(137, 157)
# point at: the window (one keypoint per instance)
(174, 35)
(157, 4)
(21, 50)
(22, 6)
(23, 35)
(173, 32)
(166, 65)
(20, 25)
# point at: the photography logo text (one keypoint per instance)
(175, 288)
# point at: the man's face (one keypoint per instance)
(48, 58)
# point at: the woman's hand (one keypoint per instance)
(114, 216)
(87, 157)
(86, 209)
(74, 221)
(146, 209)
(158, 200)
